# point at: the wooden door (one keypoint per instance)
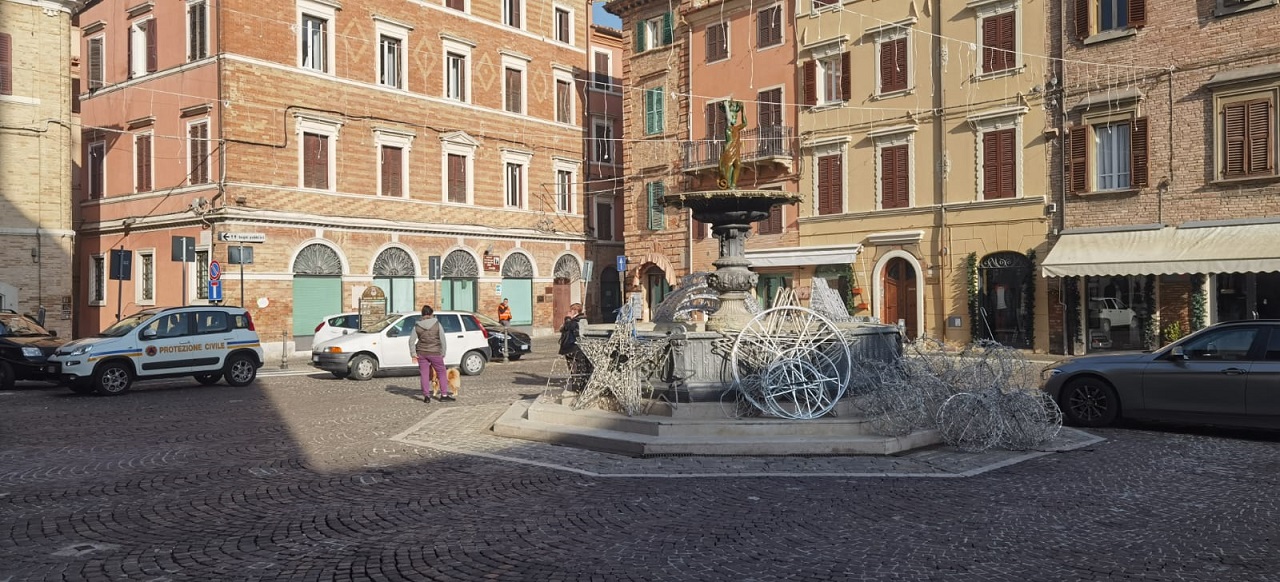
(899, 303)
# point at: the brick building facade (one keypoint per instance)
(361, 140)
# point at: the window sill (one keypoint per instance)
(761, 49)
(1009, 72)
(1110, 35)
(1246, 179)
(97, 304)
(1221, 11)
(19, 100)
(893, 94)
(826, 106)
(719, 60)
(1120, 191)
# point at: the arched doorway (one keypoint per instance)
(899, 303)
(1004, 283)
(317, 287)
(459, 272)
(517, 287)
(610, 294)
(393, 271)
(564, 291)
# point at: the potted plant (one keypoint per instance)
(862, 306)
(857, 290)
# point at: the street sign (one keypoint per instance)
(587, 268)
(239, 255)
(215, 290)
(622, 263)
(215, 271)
(242, 237)
(433, 267)
(121, 264)
(184, 249)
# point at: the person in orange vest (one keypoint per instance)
(504, 312)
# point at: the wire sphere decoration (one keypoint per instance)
(791, 362)
(970, 421)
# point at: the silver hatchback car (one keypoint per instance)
(1224, 374)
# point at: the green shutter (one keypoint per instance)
(653, 106)
(657, 214)
(640, 36)
(667, 30)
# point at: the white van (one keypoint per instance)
(383, 346)
(207, 342)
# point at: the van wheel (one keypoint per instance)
(240, 370)
(112, 379)
(209, 379)
(472, 363)
(363, 367)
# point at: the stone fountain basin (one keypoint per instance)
(730, 206)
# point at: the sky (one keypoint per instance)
(599, 16)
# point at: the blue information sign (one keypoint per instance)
(622, 263)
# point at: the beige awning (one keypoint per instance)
(1190, 248)
(800, 256)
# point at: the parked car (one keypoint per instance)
(514, 348)
(382, 347)
(336, 325)
(1226, 374)
(207, 342)
(1112, 311)
(25, 347)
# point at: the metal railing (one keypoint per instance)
(770, 141)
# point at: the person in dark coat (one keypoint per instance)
(569, 333)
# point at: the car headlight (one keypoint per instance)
(82, 350)
(32, 352)
(1047, 373)
(333, 350)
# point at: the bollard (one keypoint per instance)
(284, 350)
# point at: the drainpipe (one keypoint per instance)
(688, 129)
(940, 248)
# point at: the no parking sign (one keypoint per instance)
(215, 281)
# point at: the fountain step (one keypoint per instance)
(846, 408)
(698, 426)
(593, 435)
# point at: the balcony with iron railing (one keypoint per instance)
(771, 143)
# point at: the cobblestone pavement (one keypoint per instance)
(311, 478)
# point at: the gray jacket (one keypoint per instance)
(428, 338)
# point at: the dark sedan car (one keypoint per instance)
(1225, 374)
(25, 347)
(515, 348)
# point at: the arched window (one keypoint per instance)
(317, 259)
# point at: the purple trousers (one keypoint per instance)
(425, 365)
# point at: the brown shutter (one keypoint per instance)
(893, 65)
(1077, 156)
(888, 178)
(835, 196)
(515, 13)
(128, 63)
(1234, 130)
(457, 178)
(846, 79)
(990, 165)
(1008, 35)
(990, 38)
(1137, 13)
(775, 220)
(151, 46)
(315, 161)
(1082, 18)
(810, 82)
(1261, 148)
(391, 171)
(95, 63)
(454, 4)
(142, 149)
(1008, 170)
(998, 43)
(198, 155)
(764, 34)
(602, 72)
(513, 90)
(1138, 150)
(6, 64)
(897, 193)
(824, 184)
(697, 228)
(562, 25)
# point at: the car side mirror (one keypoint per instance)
(393, 332)
(148, 334)
(1177, 353)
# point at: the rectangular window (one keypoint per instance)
(717, 42)
(1111, 156)
(564, 191)
(604, 220)
(564, 25)
(96, 70)
(1095, 16)
(827, 80)
(392, 171)
(603, 77)
(315, 161)
(514, 185)
(390, 57)
(456, 84)
(657, 212)
(769, 116)
(602, 140)
(142, 48)
(654, 32)
(564, 101)
(717, 121)
(459, 5)
(511, 12)
(95, 167)
(457, 178)
(98, 280)
(202, 274)
(197, 31)
(1113, 14)
(999, 164)
(512, 87)
(830, 188)
(142, 162)
(198, 153)
(146, 277)
(831, 79)
(315, 52)
(654, 122)
(999, 39)
(6, 64)
(895, 177)
(1248, 131)
(893, 65)
(698, 229)
(769, 27)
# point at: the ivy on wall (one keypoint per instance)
(1029, 297)
(1198, 298)
(971, 266)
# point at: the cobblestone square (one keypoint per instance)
(303, 476)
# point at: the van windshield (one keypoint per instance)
(124, 326)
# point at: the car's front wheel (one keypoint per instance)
(514, 357)
(363, 367)
(1089, 402)
(112, 379)
(472, 363)
(339, 375)
(6, 376)
(240, 370)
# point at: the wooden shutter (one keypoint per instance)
(715, 37)
(830, 184)
(1082, 18)
(769, 27)
(1138, 151)
(717, 121)
(562, 26)
(454, 4)
(656, 210)
(640, 37)
(769, 108)
(811, 82)
(142, 150)
(96, 169)
(990, 165)
(392, 185)
(1077, 157)
(895, 179)
(1235, 141)
(196, 17)
(198, 154)
(893, 65)
(513, 90)
(151, 45)
(1008, 170)
(6, 64)
(846, 79)
(775, 220)
(315, 161)
(602, 72)
(1261, 144)
(668, 31)
(697, 228)
(95, 63)
(998, 37)
(457, 178)
(1137, 13)
(515, 12)
(128, 43)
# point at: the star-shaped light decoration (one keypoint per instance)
(620, 364)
